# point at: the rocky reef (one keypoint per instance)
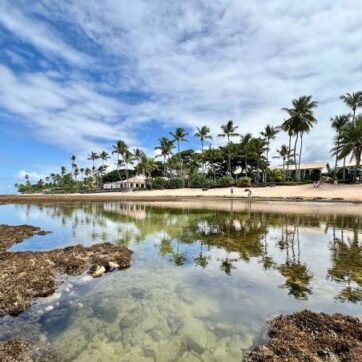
(27, 275)
(309, 336)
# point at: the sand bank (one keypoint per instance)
(326, 193)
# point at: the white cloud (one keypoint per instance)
(33, 176)
(202, 62)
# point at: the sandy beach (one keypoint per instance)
(326, 193)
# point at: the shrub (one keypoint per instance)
(200, 181)
(226, 181)
(243, 181)
(176, 183)
(276, 175)
(157, 183)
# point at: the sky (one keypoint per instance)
(78, 75)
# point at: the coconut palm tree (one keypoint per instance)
(286, 126)
(146, 165)
(354, 101)
(81, 170)
(228, 131)
(338, 122)
(127, 159)
(268, 134)
(120, 149)
(138, 154)
(283, 153)
(351, 140)
(202, 134)
(93, 156)
(258, 146)
(301, 120)
(246, 148)
(104, 156)
(166, 146)
(73, 159)
(179, 136)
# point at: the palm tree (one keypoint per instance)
(338, 122)
(146, 165)
(81, 170)
(268, 134)
(166, 146)
(283, 153)
(203, 133)
(73, 159)
(104, 156)
(246, 145)
(179, 136)
(351, 140)
(287, 127)
(354, 101)
(93, 156)
(127, 159)
(258, 146)
(138, 154)
(120, 149)
(301, 120)
(228, 131)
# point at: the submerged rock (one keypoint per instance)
(10, 235)
(309, 336)
(27, 275)
(23, 350)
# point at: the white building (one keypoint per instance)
(136, 182)
(306, 169)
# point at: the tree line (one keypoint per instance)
(242, 160)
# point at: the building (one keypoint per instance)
(306, 169)
(136, 182)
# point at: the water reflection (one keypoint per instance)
(186, 236)
(202, 282)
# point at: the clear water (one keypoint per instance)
(202, 283)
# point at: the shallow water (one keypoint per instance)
(202, 283)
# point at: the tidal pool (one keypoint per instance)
(202, 283)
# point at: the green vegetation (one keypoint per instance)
(239, 162)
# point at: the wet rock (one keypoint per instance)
(10, 235)
(97, 271)
(112, 266)
(309, 336)
(16, 350)
(28, 275)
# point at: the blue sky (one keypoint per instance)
(76, 76)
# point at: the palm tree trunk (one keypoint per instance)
(295, 157)
(284, 168)
(290, 143)
(119, 174)
(300, 155)
(164, 166)
(179, 157)
(229, 157)
(344, 169)
(202, 157)
(336, 161)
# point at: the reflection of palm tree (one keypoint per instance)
(227, 264)
(296, 274)
(179, 258)
(165, 246)
(346, 268)
(201, 260)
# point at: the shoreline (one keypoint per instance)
(350, 194)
